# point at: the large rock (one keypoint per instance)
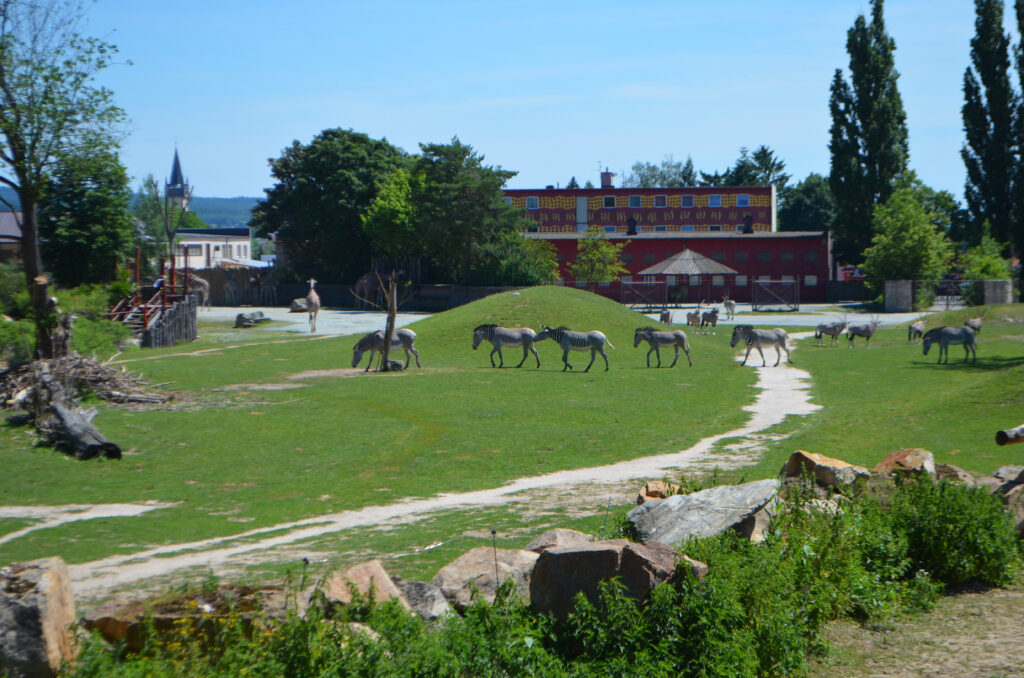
(911, 460)
(36, 614)
(1014, 498)
(476, 569)
(826, 471)
(953, 474)
(425, 599)
(364, 578)
(563, 572)
(557, 537)
(298, 306)
(702, 514)
(250, 319)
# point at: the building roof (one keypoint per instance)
(678, 235)
(688, 262)
(9, 228)
(175, 188)
(236, 231)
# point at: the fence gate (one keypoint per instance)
(776, 295)
(944, 294)
(645, 295)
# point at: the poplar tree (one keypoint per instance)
(989, 113)
(868, 136)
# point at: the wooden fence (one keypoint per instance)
(176, 324)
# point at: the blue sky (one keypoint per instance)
(551, 90)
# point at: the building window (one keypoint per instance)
(670, 280)
(686, 201)
(715, 227)
(609, 229)
(649, 280)
(604, 283)
(648, 257)
(764, 256)
(661, 201)
(786, 256)
(609, 202)
(660, 229)
(741, 281)
(634, 202)
(508, 200)
(810, 256)
(811, 280)
(533, 203)
(718, 256)
(581, 284)
(694, 280)
(626, 257)
(714, 200)
(741, 256)
(686, 228)
(627, 278)
(718, 281)
(764, 278)
(742, 200)
(788, 278)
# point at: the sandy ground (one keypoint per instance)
(783, 393)
(328, 321)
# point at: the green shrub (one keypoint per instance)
(956, 533)
(16, 341)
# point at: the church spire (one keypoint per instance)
(177, 189)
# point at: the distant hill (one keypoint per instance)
(222, 212)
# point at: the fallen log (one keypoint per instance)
(66, 425)
(1010, 436)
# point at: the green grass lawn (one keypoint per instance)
(236, 458)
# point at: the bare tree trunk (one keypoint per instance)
(389, 328)
(37, 283)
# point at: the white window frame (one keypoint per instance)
(683, 199)
(810, 280)
(663, 199)
(714, 200)
(741, 281)
(532, 202)
(742, 200)
(635, 202)
(606, 200)
(718, 280)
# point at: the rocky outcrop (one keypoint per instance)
(563, 572)
(705, 513)
(425, 599)
(250, 319)
(366, 579)
(826, 471)
(475, 569)
(953, 474)
(913, 460)
(36, 614)
(298, 306)
(557, 537)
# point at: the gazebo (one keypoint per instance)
(689, 276)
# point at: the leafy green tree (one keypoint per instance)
(149, 209)
(985, 260)
(669, 174)
(573, 183)
(518, 260)
(391, 220)
(461, 207)
(1017, 232)
(598, 259)
(989, 112)
(868, 135)
(906, 244)
(808, 206)
(85, 225)
(759, 168)
(316, 205)
(50, 107)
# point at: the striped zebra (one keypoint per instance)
(593, 341)
(374, 343)
(760, 338)
(658, 339)
(506, 336)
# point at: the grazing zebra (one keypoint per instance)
(658, 339)
(730, 308)
(915, 330)
(833, 330)
(974, 324)
(759, 338)
(709, 318)
(866, 331)
(374, 343)
(693, 318)
(666, 317)
(593, 341)
(951, 335)
(506, 336)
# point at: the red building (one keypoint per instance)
(733, 225)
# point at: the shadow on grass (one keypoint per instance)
(983, 364)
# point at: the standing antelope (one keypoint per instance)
(915, 330)
(693, 318)
(730, 308)
(974, 324)
(312, 304)
(867, 331)
(833, 330)
(593, 341)
(666, 317)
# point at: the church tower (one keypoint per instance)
(177, 191)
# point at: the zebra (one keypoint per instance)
(709, 318)
(506, 336)
(866, 331)
(833, 330)
(759, 338)
(915, 330)
(656, 339)
(374, 342)
(593, 341)
(951, 335)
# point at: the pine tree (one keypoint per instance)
(868, 135)
(989, 112)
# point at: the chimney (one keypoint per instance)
(606, 178)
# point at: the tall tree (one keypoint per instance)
(868, 136)
(989, 112)
(669, 174)
(1017, 234)
(598, 259)
(573, 183)
(50, 107)
(85, 225)
(906, 244)
(316, 205)
(809, 206)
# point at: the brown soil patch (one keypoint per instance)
(262, 387)
(341, 372)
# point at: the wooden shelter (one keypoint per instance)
(691, 276)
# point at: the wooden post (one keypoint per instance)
(1010, 436)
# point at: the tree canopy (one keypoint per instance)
(670, 173)
(598, 259)
(808, 206)
(50, 108)
(907, 245)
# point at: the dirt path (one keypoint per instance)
(783, 392)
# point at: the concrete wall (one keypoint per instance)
(899, 296)
(998, 291)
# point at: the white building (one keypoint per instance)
(209, 247)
